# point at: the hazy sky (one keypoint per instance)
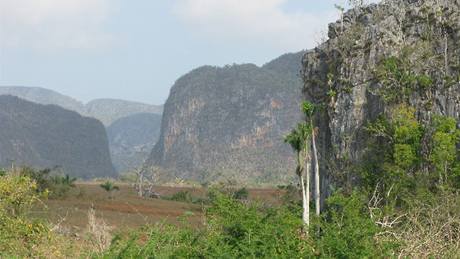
(136, 49)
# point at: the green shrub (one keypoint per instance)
(347, 231)
(18, 234)
(241, 194)
(187, 197)
(232, 230)
(182, 196)
(55, 185)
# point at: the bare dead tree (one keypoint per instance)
(145, 183)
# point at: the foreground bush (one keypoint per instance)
(235, 229)
(348, 231)
(232, 230)
(18, 235)
(24, 237)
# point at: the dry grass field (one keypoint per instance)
(125, 210)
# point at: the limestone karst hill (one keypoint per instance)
(228, 123)
(124, 152)
(47, 136)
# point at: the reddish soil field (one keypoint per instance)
(125, 211)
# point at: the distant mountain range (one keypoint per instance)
(111, 110)
(105, 110)
(228, 123)
(132, 138)
(128, 117)
(219, 123)
(47, 136)
(44, 96)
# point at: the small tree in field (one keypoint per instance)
(109, 187)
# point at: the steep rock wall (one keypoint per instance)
(340, 75)
(229, 123)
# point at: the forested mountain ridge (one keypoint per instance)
(46, 136)
(229, 122)
(380, 59)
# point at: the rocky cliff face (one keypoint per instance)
(132, 138)
(46, 136)
(229, 123)
(341, 75)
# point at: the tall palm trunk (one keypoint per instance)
(317, 180)
(305, 181)
(305, 203)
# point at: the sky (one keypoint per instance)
(136, 49)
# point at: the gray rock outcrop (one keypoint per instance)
(340, 74)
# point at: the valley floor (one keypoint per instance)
(125, 210)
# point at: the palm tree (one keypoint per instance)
(309, 111)
(109, 187)
(299, 141)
